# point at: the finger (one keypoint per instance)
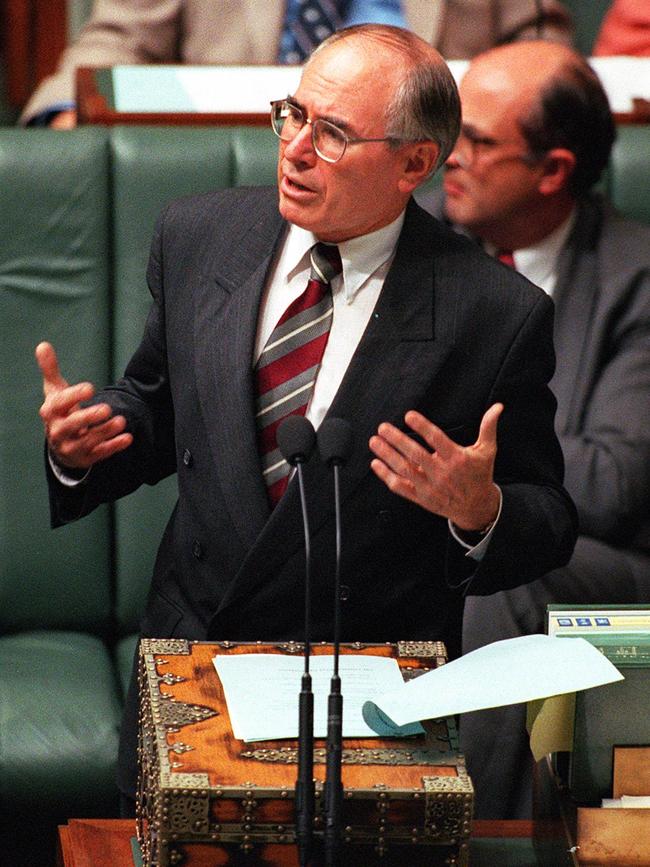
(431, 434)
(394, 459)
(61, 402)
(110, 447)
(393, 481)
(93, 424)
(403, 443)
(487, 435)
(49, 365)
(96, 444)
(82, 458)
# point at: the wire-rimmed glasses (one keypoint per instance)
(328, 140)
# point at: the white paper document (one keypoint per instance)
(505, 672)
(262, 692)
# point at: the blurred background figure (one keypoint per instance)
(250, 32)
(537, 133)
(625, 29)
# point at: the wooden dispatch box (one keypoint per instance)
(206, 798)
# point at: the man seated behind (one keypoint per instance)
(537, 132)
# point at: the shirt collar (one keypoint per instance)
(360, 256)
(539, 261)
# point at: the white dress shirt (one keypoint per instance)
(538, 262)
(355, 291)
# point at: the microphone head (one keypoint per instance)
(296, 438)
(335, 441)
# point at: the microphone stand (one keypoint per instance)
(334, 752)
(296, 437)
(335, 445)
(305, 797)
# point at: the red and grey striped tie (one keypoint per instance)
(286, 370)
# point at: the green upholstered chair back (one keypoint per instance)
(587, 17)
(53, 285)
(629, 171)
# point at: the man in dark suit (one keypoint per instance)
(431, 343)
(537, 133)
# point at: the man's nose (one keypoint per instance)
(456, 160)
(301, 147)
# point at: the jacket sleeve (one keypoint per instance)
(608, 457)
(537, 529)
(143, 397)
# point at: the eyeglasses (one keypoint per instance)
(329, 142)
(478, 147)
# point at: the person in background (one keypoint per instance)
(331, 295)
(536, 135)
(625, 30)
(251, 32)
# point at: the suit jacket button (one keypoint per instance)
(344, 593)
(187, 458)
(197, 549)
(385, 516)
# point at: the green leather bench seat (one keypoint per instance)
(59, 736)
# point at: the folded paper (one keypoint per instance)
(506, 672)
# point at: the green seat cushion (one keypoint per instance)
(59, 718)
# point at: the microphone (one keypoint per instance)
(296, 439)
(335, 446)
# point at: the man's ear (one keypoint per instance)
(558, 165)
(420, 159)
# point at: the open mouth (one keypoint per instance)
(296, 186)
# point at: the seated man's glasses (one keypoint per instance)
(476, 147)
(328, 140)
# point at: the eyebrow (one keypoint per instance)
(343, 125)
(474, 135)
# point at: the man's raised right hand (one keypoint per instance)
(77, 436)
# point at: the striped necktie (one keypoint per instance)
(286, 370)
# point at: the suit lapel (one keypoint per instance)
(398, 356)
(575, 299)
(225, 327)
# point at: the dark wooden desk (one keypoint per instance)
(107, 843)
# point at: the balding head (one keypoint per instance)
(536, 134)
(425, 104)
(556, 98)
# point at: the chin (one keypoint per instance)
(455, 212)
(297, 215)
